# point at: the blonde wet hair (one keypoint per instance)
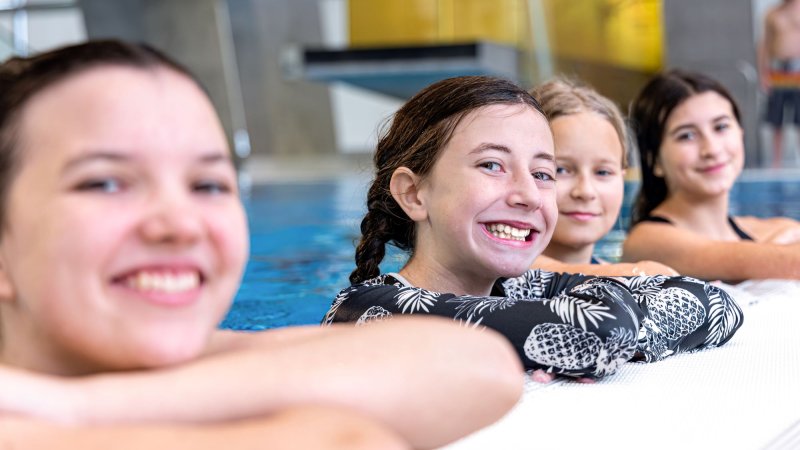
(563, 97)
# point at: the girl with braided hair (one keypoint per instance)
(465, 183)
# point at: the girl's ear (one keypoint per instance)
(657, 170)
(404, 187)
(6, 286)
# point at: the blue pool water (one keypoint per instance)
(303, 239)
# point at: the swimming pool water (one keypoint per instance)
(303, 239)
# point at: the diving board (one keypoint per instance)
(402, 71)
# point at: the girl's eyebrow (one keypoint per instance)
(97, 155)
(684, 127)
(693, 126)
(488, 146)
(211, 157)
(216, 157)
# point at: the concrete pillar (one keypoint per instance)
(716, 37)
(284, 117)
(287, 117)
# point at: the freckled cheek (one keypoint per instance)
(563, 188)
(549, 205)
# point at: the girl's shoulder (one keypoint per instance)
(778, 230)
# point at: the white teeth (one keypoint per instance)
(504, 231)
(164, 282)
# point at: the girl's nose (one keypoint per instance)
(171, 220)
(711, 147)
(583, 188)
(524, 192)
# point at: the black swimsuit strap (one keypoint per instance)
(658, 219)
(739, 232)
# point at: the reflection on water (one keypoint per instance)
(303, 238)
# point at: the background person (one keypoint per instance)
(779, 71)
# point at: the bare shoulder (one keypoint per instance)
(767, 229)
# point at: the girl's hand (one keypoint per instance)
(650, 268)
(540, 376)
(37, 396)
(784, 236)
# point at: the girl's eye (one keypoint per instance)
(561, 171)
(604, 172)
(491, 166)
(211, 187)
(543, 176)
(722, 126)
(105, 185)
(686, 136)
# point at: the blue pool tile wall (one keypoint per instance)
(303, 240)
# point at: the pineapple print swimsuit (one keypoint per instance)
(568, 324)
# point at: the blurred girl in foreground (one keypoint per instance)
(122, 245)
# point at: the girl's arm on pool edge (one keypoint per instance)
(604, 270)
(307, 427)
(699, 257)
(405, 373)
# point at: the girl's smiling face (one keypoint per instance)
(702, 151)
(489, 201)
(591, 183)
(125, 240)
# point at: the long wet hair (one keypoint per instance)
(419, 131)
(21, 79)
(649, 113)
(563, 97)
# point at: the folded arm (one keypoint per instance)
(606, 270)
(699, 257)
(405, 374)
(555, 322)
(307, 427)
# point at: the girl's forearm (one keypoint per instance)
(405, 373)
(319, 428)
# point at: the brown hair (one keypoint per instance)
(419, 130)
(21, 79)
(562, 97)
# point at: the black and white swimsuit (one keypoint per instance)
(569, 324)
(739, 232)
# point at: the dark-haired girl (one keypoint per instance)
(691, 148)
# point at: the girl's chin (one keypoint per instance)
(512, 271)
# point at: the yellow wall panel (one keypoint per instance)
(623, 33)
(382, 22)
(496, 20)
(390, 22)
